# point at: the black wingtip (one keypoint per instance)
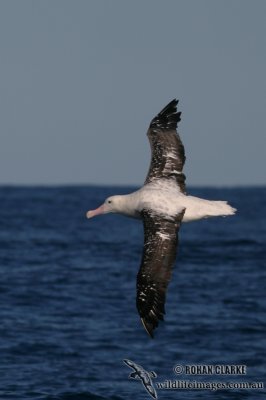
(148, 327)
(168, 118)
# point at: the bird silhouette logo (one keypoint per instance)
(144, 376)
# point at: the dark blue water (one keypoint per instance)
(67, 297)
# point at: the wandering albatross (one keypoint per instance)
(162, 204)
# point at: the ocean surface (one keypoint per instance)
(67, 298)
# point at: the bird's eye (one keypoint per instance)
(109, 201)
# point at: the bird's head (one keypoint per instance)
(111, 205)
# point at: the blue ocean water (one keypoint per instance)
(67, 298)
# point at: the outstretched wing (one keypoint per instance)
(167, 150)
(149, 387)
(137, 368)
(159, 253)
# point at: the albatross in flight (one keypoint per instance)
(162, 204)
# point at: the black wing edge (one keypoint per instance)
(149, 327)
(167, 119)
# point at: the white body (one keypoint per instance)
(167, 200)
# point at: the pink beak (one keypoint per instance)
(98, 211)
